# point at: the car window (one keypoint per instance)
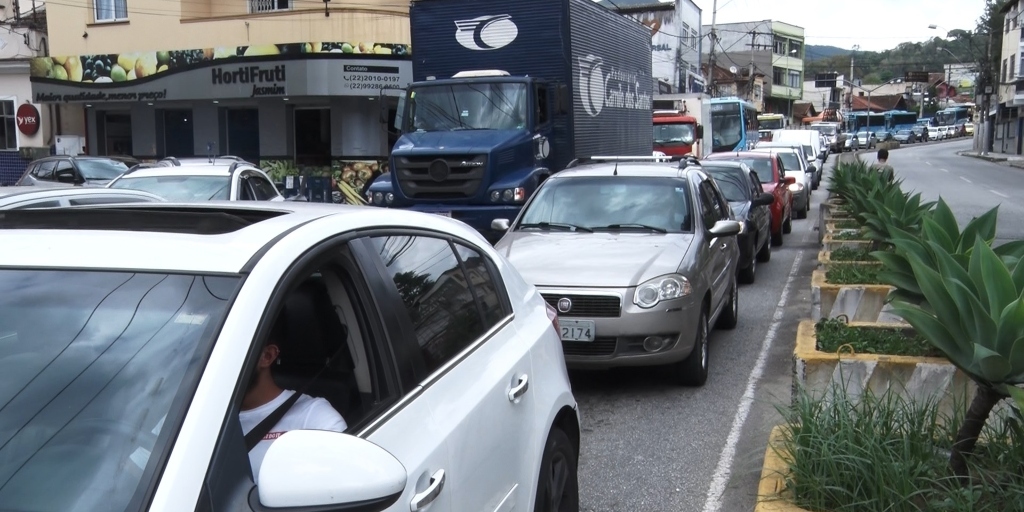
(33, 170)
(86, 200)
(732, 184)
(262, 189)
(97, 397)
(46, 170)
(245, 191)
(709, 208)
(756, 187)
(439, 298)
(790, 160)
(761, 166)
(100, 169)
(63, 165)
(36, 204)
(180, 188)
(601, 201)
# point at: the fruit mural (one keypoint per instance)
(348, 176)
(125, 67)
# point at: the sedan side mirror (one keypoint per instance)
(65, 176)
(500, 224)
(318, 468)
(725, 228)
(763, 199)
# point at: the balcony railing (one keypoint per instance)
(257, 6)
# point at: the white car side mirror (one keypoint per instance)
(312, 468)
(500, 224)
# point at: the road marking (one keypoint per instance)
(965, 179)
(927, 162)
(1000, 194)
(944, 170)
(724, 469)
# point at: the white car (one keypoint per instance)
(796, 168)
(19, 198)
(199, 180)
(130, 334)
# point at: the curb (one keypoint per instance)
(993, 159)
(771, 490)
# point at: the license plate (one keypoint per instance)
(576, 330)
(443, 214)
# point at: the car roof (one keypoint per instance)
(33, 192)
(76, 157)
(736, 154)
(732, 165)
(214, 237)
(186, 169)
(776, 149)
(650, 169)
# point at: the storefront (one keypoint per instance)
(292, 107)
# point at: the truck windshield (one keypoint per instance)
(476, 106)
(678, 133)
(824, 129)
(98, 368)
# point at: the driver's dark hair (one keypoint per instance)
(883, 154)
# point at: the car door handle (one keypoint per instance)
(723, 246)
(430, 494)
(519, 389)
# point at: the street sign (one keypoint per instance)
(916, 76)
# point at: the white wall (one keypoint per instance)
(14, 82)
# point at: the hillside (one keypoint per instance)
(814, 52)
(877, 67)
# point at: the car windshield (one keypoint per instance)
(790, 159)
(761, 166)
(673, 133)
(825, 129)
(608, 201)
(100, 169)
(186, 189)
(731, 183)
(442, 108)
(903, 132)
(98, 370)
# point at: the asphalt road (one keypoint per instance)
(970, 186)
(649, 445)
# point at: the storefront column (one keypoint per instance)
(356, 130)
(206, 128)
(274, 130)
(143, 131)
(93, 146)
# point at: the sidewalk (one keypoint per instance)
(999, 158)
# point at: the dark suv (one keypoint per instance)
(63, 171)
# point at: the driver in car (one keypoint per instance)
(264, 396)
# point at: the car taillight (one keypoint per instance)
(553, 316)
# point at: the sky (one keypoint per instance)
(875, 25)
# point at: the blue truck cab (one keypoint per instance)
(505, 94)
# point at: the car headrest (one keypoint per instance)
(313, 333)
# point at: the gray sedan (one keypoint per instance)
(638, 258)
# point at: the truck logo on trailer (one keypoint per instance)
(486, 32)
(596, 93)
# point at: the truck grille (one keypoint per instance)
(444, 177)
(594, 306)
(598, 347)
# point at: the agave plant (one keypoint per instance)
(893, 210)
(939, 227)
(975, 316)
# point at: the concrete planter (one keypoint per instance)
(772, 495)
(916, 378)
(830, 243)
(825, 259)
(855, 302)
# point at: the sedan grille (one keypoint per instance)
(440, 177)
(594, 306)
(598, 347)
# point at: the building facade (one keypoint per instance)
(25, 125)
(675, 41)
(1008, 127)
(296, 85)
(774, 49)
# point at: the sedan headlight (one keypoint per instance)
(650, 293)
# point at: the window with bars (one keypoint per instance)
(780, 46)
(8, 135)
(256, 6)
(794, 79)
(110, 10)
(778, 76)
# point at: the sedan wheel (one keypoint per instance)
(749, 274)
(558, 488)
(693, 371)
(731, 312)
(765, 254)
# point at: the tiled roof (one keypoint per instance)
(802, 110)
(880, 103)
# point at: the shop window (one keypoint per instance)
(111, 10)
(313, 136)
(241, 133)
(117, 131)
(179, 136)
(8, 134)
(256, 6)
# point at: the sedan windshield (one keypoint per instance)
(98, 369)
(761, 166)
(187, 189)
(101, 169)
(442, 108)
(610, 202)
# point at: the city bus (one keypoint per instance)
(872, 122)
(733, 124)
(950, 115)
(896, 120)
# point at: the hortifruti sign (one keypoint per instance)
(354, 69)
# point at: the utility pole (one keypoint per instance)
(711, 54)
(988, 97)
(753, 44)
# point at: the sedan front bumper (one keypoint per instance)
(624, 333)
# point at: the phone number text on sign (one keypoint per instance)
(369, 81)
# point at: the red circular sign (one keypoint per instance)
(28, 119)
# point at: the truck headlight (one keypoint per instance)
(509, 195)
(389, 197)
(378, 198)
(495, 196)
(667, 287)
